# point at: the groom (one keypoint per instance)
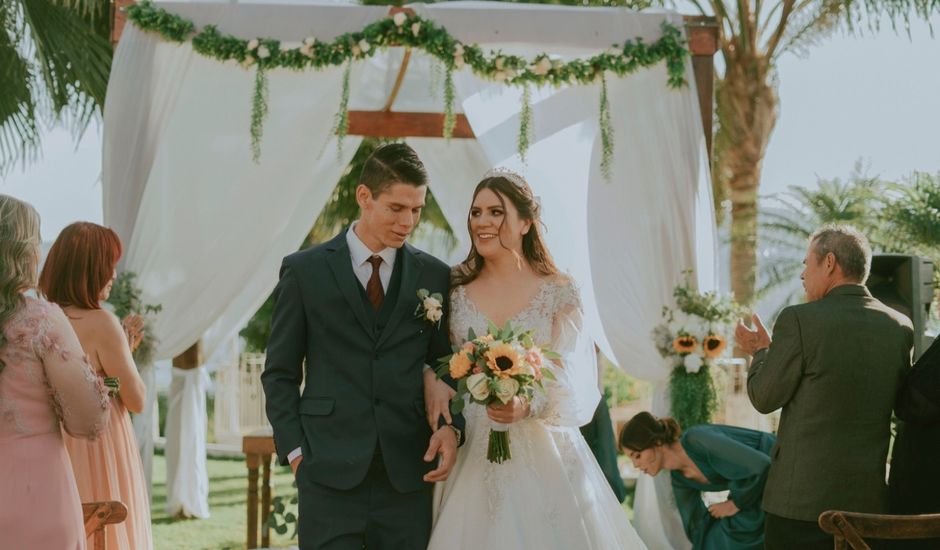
(356, 434)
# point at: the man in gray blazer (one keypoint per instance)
(834, 366)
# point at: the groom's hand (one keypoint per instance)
(443, 443)
(296, 464)
(437, 396)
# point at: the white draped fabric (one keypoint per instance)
(206, 227)
(187, 481)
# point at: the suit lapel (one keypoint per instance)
(341, 265)
(410, 270)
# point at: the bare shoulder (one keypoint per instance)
(566, 290)
(101, 321)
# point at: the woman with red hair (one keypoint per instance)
(78, 275)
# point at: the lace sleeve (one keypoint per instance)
(78, 394)
(570, 399)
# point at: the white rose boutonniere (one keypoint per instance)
(430, 307)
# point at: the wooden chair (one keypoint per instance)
(99, 514)
(850, 529)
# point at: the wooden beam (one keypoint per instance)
(393, 124)
(189, 359)
(702, 33)
(398, 80)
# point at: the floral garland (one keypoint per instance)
(692, 337)
(413, 31)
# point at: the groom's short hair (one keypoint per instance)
(849, 246)
(390, 164)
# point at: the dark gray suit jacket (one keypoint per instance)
(364, 382)
(834, 366)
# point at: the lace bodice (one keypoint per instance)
(558, 295)
(46, 377)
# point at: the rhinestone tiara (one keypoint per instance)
(508, 174)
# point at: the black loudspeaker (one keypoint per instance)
(904, 283)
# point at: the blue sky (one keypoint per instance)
(873, 98)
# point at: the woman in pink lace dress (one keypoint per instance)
(78, 274)
(45, 380)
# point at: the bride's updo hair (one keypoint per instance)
(644, 431)
(509, 185)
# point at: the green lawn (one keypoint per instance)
(228, 494)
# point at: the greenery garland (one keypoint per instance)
(413, 31)
(525, 122)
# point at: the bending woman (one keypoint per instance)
(707, 458)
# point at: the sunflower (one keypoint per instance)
(460, 364)
(504, 360)
(684, 344)
(713, 346)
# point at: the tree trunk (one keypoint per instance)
(747, 104)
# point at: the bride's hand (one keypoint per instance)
(437, 396)
(514, 411)
(724, 509)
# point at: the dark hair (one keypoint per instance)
(390, 164)
(80, 264)
(644, 431)
(533, 248)
(849, 246)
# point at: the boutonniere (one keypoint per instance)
(430, 307)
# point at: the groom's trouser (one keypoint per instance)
(782, 533)
(372, 515)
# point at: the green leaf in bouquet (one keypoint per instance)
(442, 370)
(437, 296)
(471, 336)
(492, 329)
(456, 406)
(423, 293)
(462, 386)
(548, 374)
(549, 354)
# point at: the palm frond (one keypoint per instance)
(19, 132)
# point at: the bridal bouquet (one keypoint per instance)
(692, 336)
(496, 367)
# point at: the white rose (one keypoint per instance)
(458, 61)
(253, 44)
(431, 303)
(692, 363)
(306, 50)
(263, 52)
(434, 315)
(356, 51)
(510, 74)
(527, 369)
(248, 61)
(499, 63)
(478, 386)
(364, 46)
(458, 49)
(499, 76)
(399, 18)
(506, 389)
(543, 66)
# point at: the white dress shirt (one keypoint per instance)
(359, 253)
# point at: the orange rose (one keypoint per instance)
(460, 365)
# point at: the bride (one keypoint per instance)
(551, 493)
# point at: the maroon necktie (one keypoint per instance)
(374, 289)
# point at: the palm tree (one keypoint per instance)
(754, 36)
(788, 219)
(54, 61)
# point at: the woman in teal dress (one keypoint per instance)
(707, 458)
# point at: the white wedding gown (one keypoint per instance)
(552, 493)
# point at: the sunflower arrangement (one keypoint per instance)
(495, 368)
(692, 336)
